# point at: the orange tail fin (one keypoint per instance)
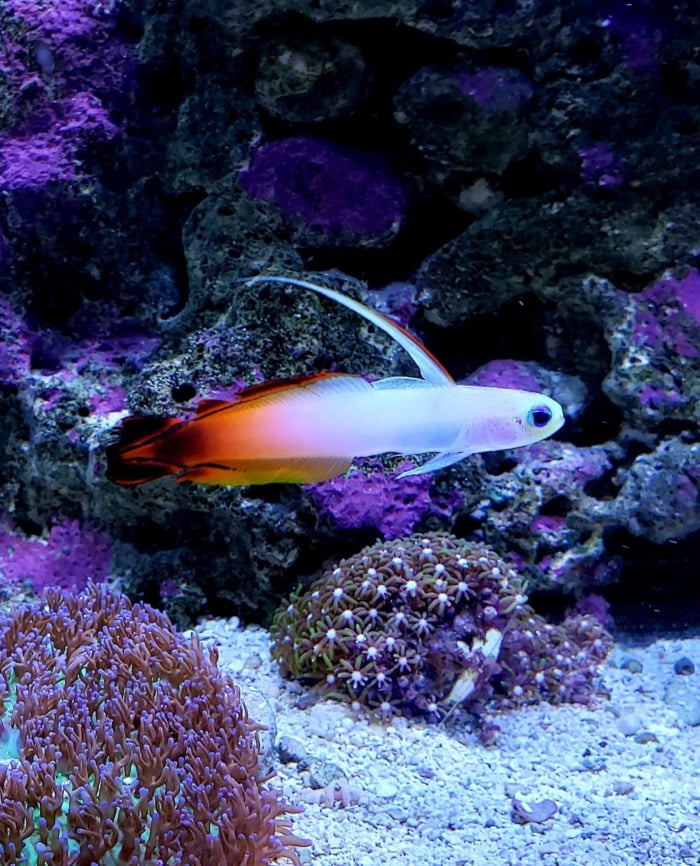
(134, 458)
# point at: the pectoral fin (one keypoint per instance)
(439, 461)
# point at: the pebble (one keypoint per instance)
(684, 667)
(629, 723)
(291, 750)
(645, 737)
(235, 665)
(593, 764)
(532, 813)
(325, 719)
(631, 664)
(253, 662)
(322, 773)
(386, 789)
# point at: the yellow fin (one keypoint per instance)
(287, 471)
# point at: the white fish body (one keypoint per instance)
(308, 429)
(347, 416)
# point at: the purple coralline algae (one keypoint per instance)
(659, 496)
(49, 150)
(655, 339)
(63, 70)
(602, 166)
(55, 371)
(465, 122)
(561, 466)
(397, 300)
(639, 33)
(542, 513)
(334, 190)
(427, 624)
(667, 316)
(370, 497)
(502, 373)
(107, 352)
(69, 557)
(496, 88)
(122, 742)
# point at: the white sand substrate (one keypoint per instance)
(613, 784)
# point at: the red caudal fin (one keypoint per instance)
(136, 457)
(236, 442)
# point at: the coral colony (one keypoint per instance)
(423, 624)
(121, 743)
(519, 191)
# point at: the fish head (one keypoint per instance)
(502, 418)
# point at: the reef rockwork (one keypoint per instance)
(516, 187)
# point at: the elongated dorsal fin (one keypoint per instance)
(430, 368)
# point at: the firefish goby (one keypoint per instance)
(310, 428)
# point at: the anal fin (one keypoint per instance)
(302, 471)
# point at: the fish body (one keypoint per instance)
(310, 428)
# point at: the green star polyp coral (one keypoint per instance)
(409, 626)
(427, 623)
(120, 743)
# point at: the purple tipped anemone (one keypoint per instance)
(120, 742)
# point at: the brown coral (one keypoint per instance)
(121, 742)
(427, 623)
(403, 626)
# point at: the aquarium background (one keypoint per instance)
(517, 183)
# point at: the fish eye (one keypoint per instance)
(539, 416)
